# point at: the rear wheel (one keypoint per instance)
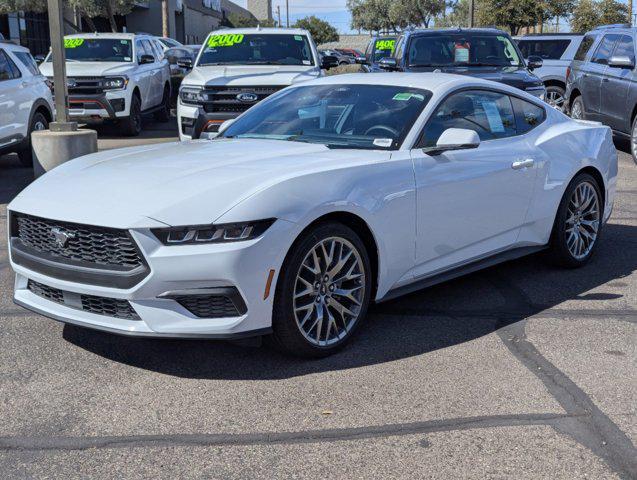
(25, 154)
(555, 96)
(132, 125)
(577, 109)
(578, 222)
(163, 114)
(323, 292)
(633, 139)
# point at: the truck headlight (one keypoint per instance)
(115, 83)
(231, 232)
(191, 95)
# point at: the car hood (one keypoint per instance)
(89, 69)
(516, 77)
(182, 183)
(250, 75)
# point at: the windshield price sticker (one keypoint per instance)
(405, 97)
(298, 38)
(226, 40)
(385, 44)
(73, 42)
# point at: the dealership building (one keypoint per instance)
(189, 22)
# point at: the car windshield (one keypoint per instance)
(338, 116)
(256, 49)
(463, 49)
(97, 50)
(383, 47)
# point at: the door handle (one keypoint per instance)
(520, 164)
(605, 80)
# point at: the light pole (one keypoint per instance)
(56, 27)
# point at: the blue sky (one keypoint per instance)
(333, 11)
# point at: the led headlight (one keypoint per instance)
(191, 95)
(230, 232)
(115, 83)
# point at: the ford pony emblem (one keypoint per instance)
(61, 237)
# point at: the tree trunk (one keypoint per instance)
(89, 22)
(111, 16)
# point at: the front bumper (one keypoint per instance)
(175, 270)
(193, 121)
(104, 106)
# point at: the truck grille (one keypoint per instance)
(85, 85)
(107, 247)
(224, 99)
(109, 307)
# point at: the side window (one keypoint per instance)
(149, 49)
(625, 48)
(8, 69)
(489, 114)
(141, 50)
(27, 60)
(605, 48)
(159, 52)
(527, 115)
(399, 49)
(546, 49)
(584, 47)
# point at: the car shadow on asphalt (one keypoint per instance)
(449, 314)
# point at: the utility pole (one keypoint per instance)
(471, 13)
(165, 31)
(630, 12)
(278, 14)
(56, 26)
(287, 13)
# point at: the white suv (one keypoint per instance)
(26, 103)
(237, 68)
(115, 76)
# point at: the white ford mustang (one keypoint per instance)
(320, 199)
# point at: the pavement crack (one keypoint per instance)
(39, 443)
(585, 422)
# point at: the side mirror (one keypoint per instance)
(39, 59)
(185, 63)
(388, 63)
(454, 139)
(534, 62)
(146, 59)
(621, 61)
(361, 60)
(329, 61)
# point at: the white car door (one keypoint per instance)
(473, 202)
(144, 75)
(13, 125)
(156, 88)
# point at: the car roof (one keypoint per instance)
(9, 45)
(123, 36)
(548, 36)
(422, 31)
(265, 31)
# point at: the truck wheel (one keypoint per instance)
(633, 140)
(577, 109)
(555, 97)
(25, 154)
(132, 125)
(163, 114)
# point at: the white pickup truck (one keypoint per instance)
(115, 77)
(237, 68)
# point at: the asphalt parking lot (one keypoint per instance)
(519, 371)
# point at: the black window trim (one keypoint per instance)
(599, 44)
(12, 66)
(419, 138)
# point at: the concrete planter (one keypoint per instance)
(51, 149)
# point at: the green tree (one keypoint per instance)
(415, 13)
(590, 14)
(458, 16)
(511, 14)
(612, 11)
(322, 32)
(374, 16)
(237, 20)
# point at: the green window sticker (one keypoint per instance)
(298, 38)
(406, 96)
(73, 42)
(385, 44)
(226, 40)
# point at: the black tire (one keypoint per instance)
(25, 154)
(132, 125)
(163, 114)
(287, 335)
(633, 139)
(578, 106)
(558, 246)
(555, 96)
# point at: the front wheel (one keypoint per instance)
(578, 223)
(132, 125)
(633, 139)
(323, 292)
(555, 97)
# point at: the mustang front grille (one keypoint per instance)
(83, 243)
(109, 307)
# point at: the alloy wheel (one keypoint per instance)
(328, 291)
(582, 221)
(633, 141)
(576, 110)
(555, 99)
(38, 126)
